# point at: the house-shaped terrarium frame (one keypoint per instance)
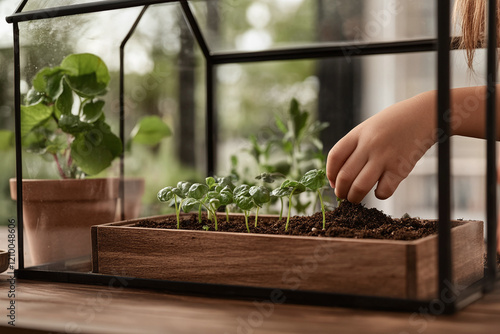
(213, 59)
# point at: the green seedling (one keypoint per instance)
(211, 183)
(280, 193)
(212, 203)
(226, 193)
(241, 190)
(315, 180)
(210, 196)
(260, 195)
(294, 188)
(184, 186)
(195, 197)
(226, 198)
(226, 182)
(171, 193)
(270, 178)
(244, 201)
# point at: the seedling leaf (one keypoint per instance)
(189, 204)
(197, 191)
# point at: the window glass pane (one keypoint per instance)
(262, 25)
(43, 4)
(344, 92)
(164, 79)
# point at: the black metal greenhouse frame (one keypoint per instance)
(445, 303)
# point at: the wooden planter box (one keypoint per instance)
(387, 268)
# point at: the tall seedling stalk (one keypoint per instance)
(315, 180)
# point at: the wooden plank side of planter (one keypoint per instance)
(467, 263)
(319, 264)
(400, 269)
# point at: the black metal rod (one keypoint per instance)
(195, 29)
(327, 51)
(443, 137)
(19, 152)
(91, 7)
(122, 109)
(491, 171)
(21, 6)
(210, 123)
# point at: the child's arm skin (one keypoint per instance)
(385, 148)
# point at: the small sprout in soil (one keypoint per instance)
(241, 190)
(170, 193)
(197, 191)
(184, 186)
(294, 188)
(211, 183)
(260, 195)
(226, 198)
(195, 196)
(244, 201)
(226, 182)
(247, 198)
(225, 189)
(212, 204)
(206, 227)
(189, 204)
(211, 196)
(315, 180)
(280, 193)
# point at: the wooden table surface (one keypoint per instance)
(77, 308)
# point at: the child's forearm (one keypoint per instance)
(384, 149)
(467, 105)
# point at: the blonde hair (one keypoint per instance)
(471, 15)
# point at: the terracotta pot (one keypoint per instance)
(4, 260)
(58, 215)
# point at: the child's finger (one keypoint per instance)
(337, 157)
(387, 185)
(349, 172)
(365, 181)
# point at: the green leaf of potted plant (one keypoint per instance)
(63, 119)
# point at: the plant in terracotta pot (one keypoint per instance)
(63, 119)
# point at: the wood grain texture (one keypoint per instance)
(467, 262)
(402, 269)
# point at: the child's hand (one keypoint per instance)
(383, 149)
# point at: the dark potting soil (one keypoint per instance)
(348, 220)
